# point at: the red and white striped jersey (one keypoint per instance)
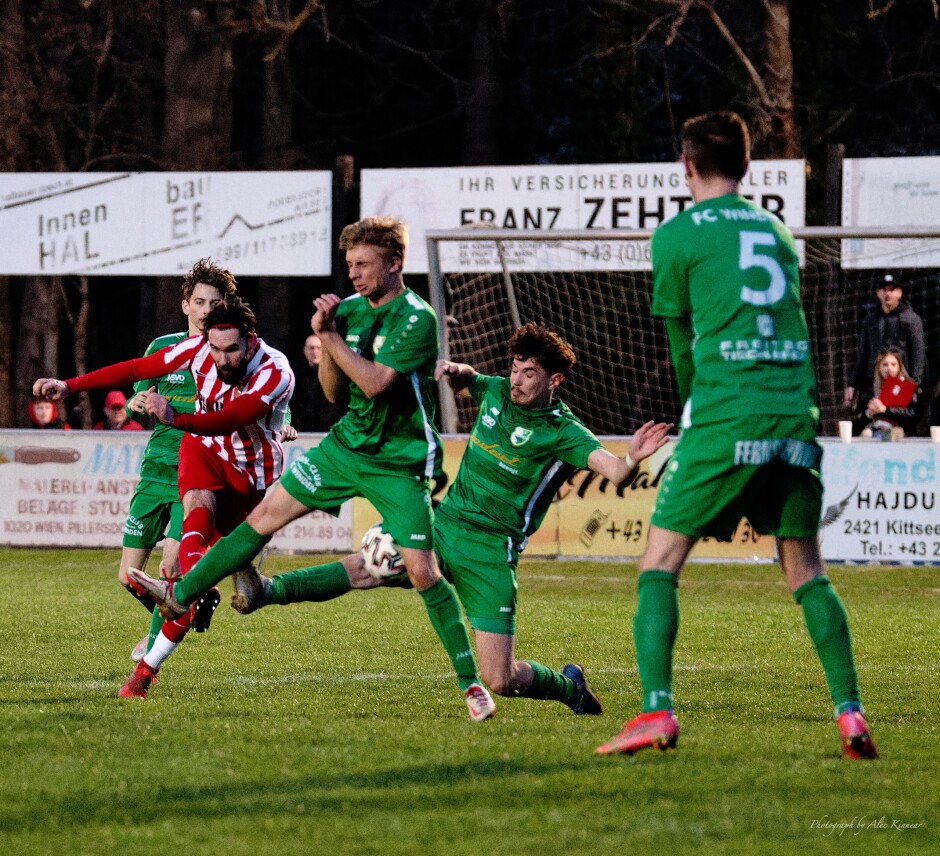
(242, 423)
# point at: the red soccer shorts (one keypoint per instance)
(201, 468)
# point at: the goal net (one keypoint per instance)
(595, 289)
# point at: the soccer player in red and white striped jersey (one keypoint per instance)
(231, 451)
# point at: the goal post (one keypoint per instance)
(594, 288)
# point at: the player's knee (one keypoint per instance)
(359, 577)
(499, 680)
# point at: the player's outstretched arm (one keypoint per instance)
(650, 437)
(458, 375)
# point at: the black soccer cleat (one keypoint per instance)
(583, 702)
(203, 609)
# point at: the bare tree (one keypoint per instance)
(768, 75)
(197, 110)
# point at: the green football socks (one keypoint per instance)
(655, 625)
(229, 554)
(156, 622)
(317, 583)
(447, 621)
(547, 684)
(829, 629)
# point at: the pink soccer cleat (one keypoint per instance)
(659, 728)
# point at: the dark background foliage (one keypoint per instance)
(299, 84)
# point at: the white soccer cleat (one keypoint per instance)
(480, 703)
(162, 593)
(140, 649)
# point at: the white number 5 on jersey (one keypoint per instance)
(751, 258)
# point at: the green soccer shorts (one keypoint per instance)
(330, 474)
(765, 469)
(482, 567)
(154, 506)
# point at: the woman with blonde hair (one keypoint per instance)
(893, 400)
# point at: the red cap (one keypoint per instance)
(115, 398)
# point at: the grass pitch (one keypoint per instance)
(338, 726)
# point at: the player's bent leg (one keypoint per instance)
(135, 557)
(498, 667)
(317, 584)
(169, 559)
(162, 593)
(446, 616)
(237, 549)
(828, 627)
(507, 676)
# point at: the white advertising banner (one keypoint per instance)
(597, 196)
(891, 192)
(161, 223)
(73, 489)
(880, 502)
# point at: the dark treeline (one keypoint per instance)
(308, 84)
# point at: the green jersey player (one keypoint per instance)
(379, 349)
(155, 507)
(523, 446)
(726, 283)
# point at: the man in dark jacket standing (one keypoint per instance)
(890, 324)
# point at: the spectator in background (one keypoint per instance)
(893, 401)
(311, 410)
(44, 413)
(890, 324)
(116, 417)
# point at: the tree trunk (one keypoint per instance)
(7, 419)
(777, 131)
(276, 120)
(484, 106)
(79, 322)
(198, 77)
(197, 112)
(37, 352)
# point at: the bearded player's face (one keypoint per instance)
(228, 347)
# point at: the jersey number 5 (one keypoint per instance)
(751, 257)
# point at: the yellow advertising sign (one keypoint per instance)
(591, 518)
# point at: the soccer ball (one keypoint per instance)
(380, 555)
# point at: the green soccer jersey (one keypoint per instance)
(161, 457)
(396, 427)
(515, 461)
(730, 268)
